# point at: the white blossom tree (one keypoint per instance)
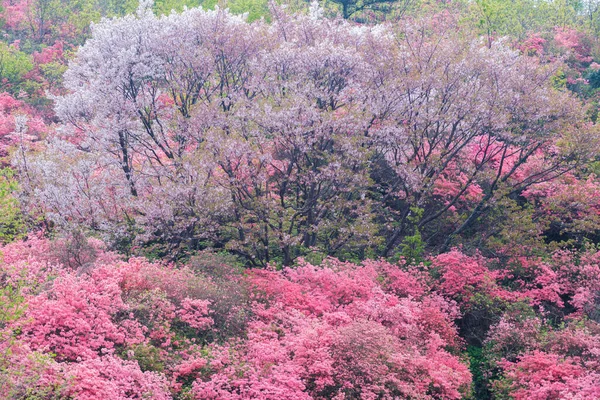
(308, 133)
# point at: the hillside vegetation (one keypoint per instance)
(339, 200)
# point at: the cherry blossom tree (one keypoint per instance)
(270, 140)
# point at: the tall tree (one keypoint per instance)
(308, 134)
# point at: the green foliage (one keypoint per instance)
(477, 366)
(53, 72)
(12, 304)
(118, 7)
(518, 18)
(314, 257)
(12, 308)
(14, 64)
(515, 229)
(413, 246)
(12, 224)
(256, 9)
(148, 357)
(354, 8)
(167, 6)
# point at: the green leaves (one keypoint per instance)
(14, 64)
(413, 246)
(12, 225)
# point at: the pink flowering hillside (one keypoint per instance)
(282, 200)
(81, 322)
(133, 329)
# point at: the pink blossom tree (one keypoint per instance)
(270, 140)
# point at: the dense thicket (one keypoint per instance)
(311, 332)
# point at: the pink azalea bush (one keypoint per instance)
(540, 362)
(79, 321)
(20, 125)
(114, 329)
(335, 331)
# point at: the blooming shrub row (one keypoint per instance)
(110, 328)
(134, 329)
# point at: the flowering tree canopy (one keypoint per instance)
(269, 140)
